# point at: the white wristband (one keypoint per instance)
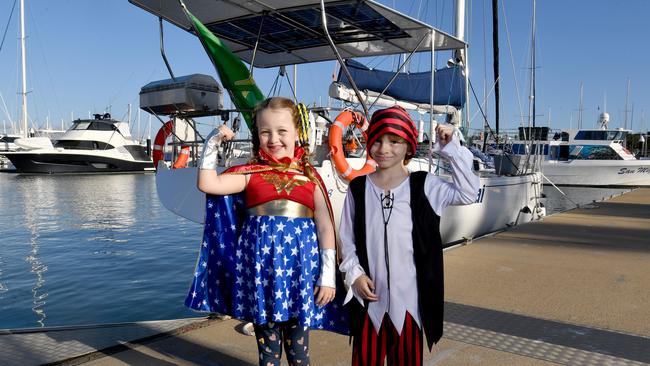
(327, 268)
(210, 154)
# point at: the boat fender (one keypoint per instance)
(158, 153)
(336, 130)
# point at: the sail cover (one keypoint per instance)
(290, 32)
(449, 88)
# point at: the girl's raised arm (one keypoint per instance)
(208, 179)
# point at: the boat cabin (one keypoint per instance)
(583, 144)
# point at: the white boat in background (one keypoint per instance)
(7, 142)
(502, 200)
(98, 145)
(586, 157)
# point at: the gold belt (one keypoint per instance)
(281, 207)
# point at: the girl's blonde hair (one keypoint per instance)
(280, 103)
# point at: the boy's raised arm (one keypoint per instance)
(463, 189)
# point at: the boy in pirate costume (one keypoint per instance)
(391, 245)
(268, 252)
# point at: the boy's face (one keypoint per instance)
(389, 150)
(277, 132)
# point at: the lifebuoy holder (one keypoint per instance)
(336, 130)
(158, 153)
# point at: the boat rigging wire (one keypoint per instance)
(7, 26)
(340, 59)
(512, 61)
(559, 190)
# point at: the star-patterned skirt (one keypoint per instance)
(260, 268)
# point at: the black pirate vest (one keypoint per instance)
(427, 255)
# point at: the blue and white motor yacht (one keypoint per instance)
(587, 157)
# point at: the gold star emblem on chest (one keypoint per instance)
(284, 182)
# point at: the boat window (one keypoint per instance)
(83, 145)
(601, 135)
(575, 151)
(594, 152)
(8, 138)
(564, 152)
(80, 125)
(137, 151)
(99, 126)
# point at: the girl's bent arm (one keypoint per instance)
(212, 183)
(208, 180)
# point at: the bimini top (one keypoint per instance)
(291, 30)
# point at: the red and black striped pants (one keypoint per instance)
(371, 348)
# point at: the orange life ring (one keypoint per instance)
(159, 145)
(343, 120)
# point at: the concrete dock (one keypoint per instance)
(572, 289)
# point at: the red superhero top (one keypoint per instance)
(277, 179)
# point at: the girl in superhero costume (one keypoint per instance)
(268, 252)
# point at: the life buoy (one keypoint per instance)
(158, 153)
(343, 120)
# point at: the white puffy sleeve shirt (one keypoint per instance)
(403, 296)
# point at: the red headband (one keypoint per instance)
(393, 120)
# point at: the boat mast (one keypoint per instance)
(531, 118)
(581, 108)
(24, 73)
(627, 98)
(459, 30)
(461, 54)
(495, 64)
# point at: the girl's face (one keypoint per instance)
(277, 132)
(389, 150)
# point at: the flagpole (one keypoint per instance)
(234, 74)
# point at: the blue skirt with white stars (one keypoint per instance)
(261, 268)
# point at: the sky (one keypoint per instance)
(91, 56)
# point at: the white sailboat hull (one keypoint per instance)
(599, 173)
(501, 202)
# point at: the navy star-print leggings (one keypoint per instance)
(270, 337)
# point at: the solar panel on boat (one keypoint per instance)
(288, 30)
(291, 30)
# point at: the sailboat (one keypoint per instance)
(281, 33)
(95, 145)
(586, 157)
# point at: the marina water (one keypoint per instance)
(87, 249)
(91, 249)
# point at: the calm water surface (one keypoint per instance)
(84, 249)
(89, 249)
